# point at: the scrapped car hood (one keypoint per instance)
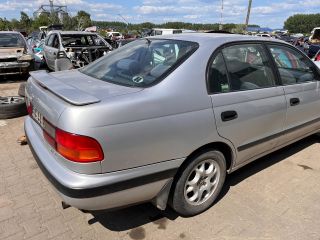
(10, 52)
(77, 88)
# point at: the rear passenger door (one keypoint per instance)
(300, 79)
(249, 107)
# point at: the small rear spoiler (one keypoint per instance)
(68, 93)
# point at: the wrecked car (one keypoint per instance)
(15, 55)
(314, 42)
(64, 50)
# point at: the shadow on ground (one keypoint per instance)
(135, 217)
(13, 78)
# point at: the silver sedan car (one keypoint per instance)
(164, 119)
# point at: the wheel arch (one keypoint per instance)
(224, 148)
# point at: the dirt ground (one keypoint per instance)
(276, 197)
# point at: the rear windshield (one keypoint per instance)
(11, 40)
(141, 63)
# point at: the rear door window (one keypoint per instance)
(50, 40)
(293, 66)
(248, 67)
(55, 43)
(241, 67)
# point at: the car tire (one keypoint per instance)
(191, 196)
(22, 90)
(11, 107)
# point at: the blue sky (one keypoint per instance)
(269, 13)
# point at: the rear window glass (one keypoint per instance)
(141, 63)
(11, 40)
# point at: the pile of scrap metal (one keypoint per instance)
(15, 55)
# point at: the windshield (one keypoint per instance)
(11, 40)
(141, 63)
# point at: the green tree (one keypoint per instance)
(302, 23)
(69, 23)
(84, 20)
(239, 29)
(54, 18)
(25, 21)
(5, 24)
(15, 24)
(42, 20)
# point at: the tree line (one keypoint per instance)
(302, 23)
(83, 20)
(299, 23)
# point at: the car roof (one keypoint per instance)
(72, 32)
(166, 29)
(203, 38)
(15, 32)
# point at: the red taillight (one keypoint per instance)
(29, 109)
(78, 148)
(73, 147)
(317, 58)
(29, 106)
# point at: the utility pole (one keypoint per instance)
(51, 6)
(221, 16)
(248, 15)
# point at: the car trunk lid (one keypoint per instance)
(77, 88)
(51, 93)
(68, 93)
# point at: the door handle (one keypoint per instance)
(229, 115)
(294, 101)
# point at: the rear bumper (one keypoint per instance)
(100, 191)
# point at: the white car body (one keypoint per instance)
(115, 35)
(165, 31)
(263, 35)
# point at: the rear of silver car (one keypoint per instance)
(79, 179)
(116, 132)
